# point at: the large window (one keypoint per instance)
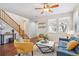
(62, 24)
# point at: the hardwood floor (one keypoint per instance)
(7, 50)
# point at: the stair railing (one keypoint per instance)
(6, 18)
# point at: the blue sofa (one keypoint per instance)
(62, 51)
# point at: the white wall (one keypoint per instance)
(42, 30)
(32, 29)
(76, 19)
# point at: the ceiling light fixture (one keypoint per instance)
(47, 7)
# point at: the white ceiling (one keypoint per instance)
(28, 9)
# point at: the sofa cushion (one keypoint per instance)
(64, 51)
(63, 44)
(64, 39)
(77, 49)
(71, 45)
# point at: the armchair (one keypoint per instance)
(23, 47)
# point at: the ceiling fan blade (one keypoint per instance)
(38, 8)
(54, 6)
(50, 10)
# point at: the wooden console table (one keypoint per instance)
(2, 36)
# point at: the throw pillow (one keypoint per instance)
(71, 45)
(74, 37)
(68, 36)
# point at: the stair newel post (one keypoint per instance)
(13, 34)
(23, 34)
(0, 13)
(19, 29)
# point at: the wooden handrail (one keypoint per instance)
(9, 17)
(6, 18)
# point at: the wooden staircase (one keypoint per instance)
(6, 18)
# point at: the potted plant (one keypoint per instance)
(46, 38)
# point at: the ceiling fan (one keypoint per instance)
(47, 8)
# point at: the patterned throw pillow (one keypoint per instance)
(68, 36)
(71, 45)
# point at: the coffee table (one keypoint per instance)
(46, 47)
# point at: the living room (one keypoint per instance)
(54, 22)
